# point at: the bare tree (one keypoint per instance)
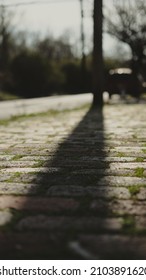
(97, 54)
(55, 49)
(129, 26)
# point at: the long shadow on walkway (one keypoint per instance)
(74, 178)
(72, 182)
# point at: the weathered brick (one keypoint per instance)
(86, 184)
(62, 223)
(5, 217)
(18, 188)
(114, 246)
(118, 207)
(37, 204)
(101, 192)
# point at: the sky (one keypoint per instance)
(57, 17)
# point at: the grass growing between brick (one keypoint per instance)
(134, 190)
(121, 154)
(129, 224)
(139, 159)
(50, 113)
(13, 177)
(17, 157)
(39, 163)
(139, 172)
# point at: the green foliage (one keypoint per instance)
(72, 77)
(47, 66)
(48, 69)
(30, 74)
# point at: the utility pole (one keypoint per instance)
(97, 54)
(83, 59)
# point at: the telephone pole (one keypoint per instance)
(83, 59)
(97, 54)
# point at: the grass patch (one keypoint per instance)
(50, 113)
(4, 96)
(139, 172)
(128, 223)
(120, 154)
(13, 177)
(139, 159)
(134, 190)
(39, 163)
(134, 136)
(17, 157)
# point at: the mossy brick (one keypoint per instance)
(90, 162)
(118, 207)
(122, 181)
(18, 188)
(141, 195)
(5, 177)
(30, 169)
(140, 223)
(5, 158)
(17, 163)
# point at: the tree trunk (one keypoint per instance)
(97, 55)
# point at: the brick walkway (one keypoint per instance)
(73, 184)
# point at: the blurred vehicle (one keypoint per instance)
(124, 82)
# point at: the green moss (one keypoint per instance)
(13, 177)
(17, 157)
(128, 223)
(139, 159)
(120, 154)
(16, 175)
(39, 163)
(134, 190)
(139, 172)
(49, 113)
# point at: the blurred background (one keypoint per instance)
(46, 45)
